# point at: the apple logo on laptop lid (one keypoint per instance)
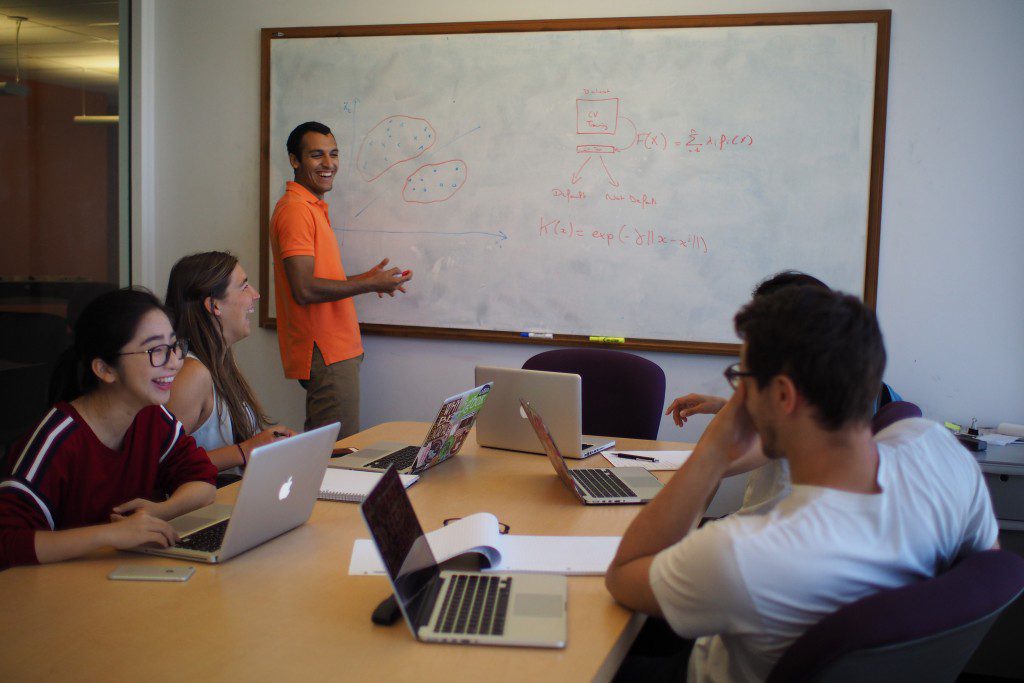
(286, 489)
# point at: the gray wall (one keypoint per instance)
(951, 274)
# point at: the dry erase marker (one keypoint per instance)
(405, 273)
(279, 434)
(609, 340)
(630, 456)
(537, 335)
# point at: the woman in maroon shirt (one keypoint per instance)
(108, 465)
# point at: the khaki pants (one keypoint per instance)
(332, 394)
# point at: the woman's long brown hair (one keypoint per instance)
(192, 280)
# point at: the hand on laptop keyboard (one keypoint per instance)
(140, 528)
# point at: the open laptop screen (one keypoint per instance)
(451, 427)
(554, 455)
(403, 546)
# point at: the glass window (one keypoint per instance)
(60, 87)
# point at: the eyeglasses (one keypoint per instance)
(502, 527)
(160, 355)
(733, 373)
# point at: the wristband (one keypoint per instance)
(245, 460)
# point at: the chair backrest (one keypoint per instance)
(623, 394)
(925, 631)
(30, 343)
(893, 412)
(29, 337)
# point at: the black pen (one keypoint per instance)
(630, 456)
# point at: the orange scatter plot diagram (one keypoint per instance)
(394, 140)
(435, 182)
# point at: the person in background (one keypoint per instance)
(769, 478)
(866, 512)
(317, 328)
(108, 465)
(211, 299)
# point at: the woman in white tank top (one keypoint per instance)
(211, 298)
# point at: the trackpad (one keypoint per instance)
(538, 605)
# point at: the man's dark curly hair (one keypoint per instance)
(827, 342)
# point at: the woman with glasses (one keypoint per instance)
(211, 299)
(108, 465)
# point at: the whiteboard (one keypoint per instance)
(632, 183)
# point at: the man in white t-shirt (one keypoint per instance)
(864, 513)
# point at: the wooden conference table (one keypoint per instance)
(289, 610)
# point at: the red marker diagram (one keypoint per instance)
(433, 183)
(394, 140)
(598, 119)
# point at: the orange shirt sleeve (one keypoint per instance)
(295, 230)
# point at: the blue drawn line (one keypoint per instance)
(501, 235)
(368, 205)
(460, 136)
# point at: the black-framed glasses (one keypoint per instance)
(502, 527)
(733, 373)
(160, 355)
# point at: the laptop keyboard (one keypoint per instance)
(206, 540)
(474, 605)
(401, 459)
(602, 483)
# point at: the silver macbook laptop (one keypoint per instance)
(444, 439)
(277, 494)
(459, 607)
(597, 485)
(503, 424)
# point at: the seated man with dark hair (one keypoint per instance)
(864, 513)
(768, 478)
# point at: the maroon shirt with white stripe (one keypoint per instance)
(63, 477)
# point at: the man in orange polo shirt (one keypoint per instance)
(316, 319)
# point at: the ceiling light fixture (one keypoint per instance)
(17, 88)
(93, 119)
(108, 119)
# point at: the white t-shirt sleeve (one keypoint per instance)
(980, 526)
(699, 586)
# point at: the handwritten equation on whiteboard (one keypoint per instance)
(603, 131)
(605, 137)
(621, 236)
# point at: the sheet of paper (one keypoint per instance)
(998, 439)
(365, 559)
(578, 555)
(667, 460)
(473, 532)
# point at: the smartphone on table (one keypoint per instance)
(147, 572)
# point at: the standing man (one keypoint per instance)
(317, 328)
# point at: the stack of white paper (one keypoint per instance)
(478, 533)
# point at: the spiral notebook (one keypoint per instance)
(352, 486)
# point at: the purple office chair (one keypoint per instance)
(893, 412)
(925, 631)
(623, 394)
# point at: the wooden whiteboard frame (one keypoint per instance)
(881, 18)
